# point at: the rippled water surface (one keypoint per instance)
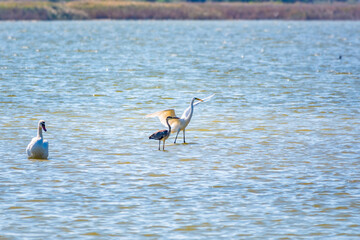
(275, 154)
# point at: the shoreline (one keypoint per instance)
(110, 10)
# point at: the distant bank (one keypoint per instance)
(146, 10)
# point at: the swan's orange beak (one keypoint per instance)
(43, 126)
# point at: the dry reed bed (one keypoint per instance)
(146, 10)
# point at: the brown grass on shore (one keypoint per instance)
(147, 10)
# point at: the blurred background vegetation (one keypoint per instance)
(179, 9)
(198, 1)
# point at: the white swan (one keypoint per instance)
(178, 124)
(38, 148)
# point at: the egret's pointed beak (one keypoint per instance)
(43, 127)
(199, 99)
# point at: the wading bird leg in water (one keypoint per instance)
(180, 123)
(176, 135)
(163, 134)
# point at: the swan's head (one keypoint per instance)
(42, 124)
(195, 98)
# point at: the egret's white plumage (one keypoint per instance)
(38, 148)
(181, 123)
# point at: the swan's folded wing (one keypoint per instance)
(162, 115)
(46, 148)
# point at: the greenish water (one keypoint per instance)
(275, 154)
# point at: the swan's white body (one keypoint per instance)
(178, 124)
(38, 148)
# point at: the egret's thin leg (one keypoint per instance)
(176, 136)
(184, 135)
(164, 145)
(159, 144)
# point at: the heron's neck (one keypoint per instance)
(39, 132)
(167, 122)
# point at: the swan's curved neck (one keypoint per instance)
(39, 132)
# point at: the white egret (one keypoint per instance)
(178, 124)
(38, 148)
(163, 134)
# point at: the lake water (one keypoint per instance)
(274, 155)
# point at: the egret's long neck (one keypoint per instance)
(39, 132)
(188, 117)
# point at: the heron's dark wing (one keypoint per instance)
(159, 135)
